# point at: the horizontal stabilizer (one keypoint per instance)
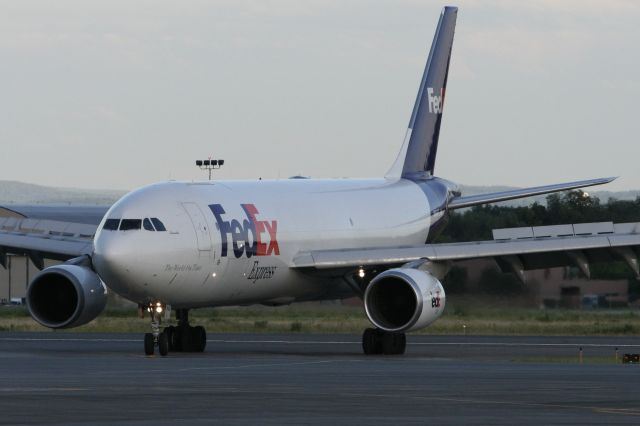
(495, 197)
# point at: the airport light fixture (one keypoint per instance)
(209, 165)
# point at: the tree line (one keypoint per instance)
(477, 222)
(570, 207)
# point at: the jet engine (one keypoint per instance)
(404, 299)
(65, 296)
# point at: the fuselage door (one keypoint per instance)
(200, 226)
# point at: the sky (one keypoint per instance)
(120, 94)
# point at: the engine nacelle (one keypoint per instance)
(404, 299)
(65, 296)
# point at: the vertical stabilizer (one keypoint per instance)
(418, 154)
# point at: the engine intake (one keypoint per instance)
(404, 299)
(65, 296)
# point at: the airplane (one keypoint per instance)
(177, 246)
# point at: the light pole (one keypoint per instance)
(209, 165)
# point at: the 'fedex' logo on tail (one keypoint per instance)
(252, 236)
(436, 102)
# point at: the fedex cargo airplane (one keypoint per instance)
(177, 246)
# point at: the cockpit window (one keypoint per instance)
(159, 225)
(111, 224)
(130, 224)
(146, 224)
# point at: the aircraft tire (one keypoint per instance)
(199, 338)
(163, 344)
(149, 344)
(402, 344)
(171, 337)
(393, 343)
(186, 339)
(371, 344)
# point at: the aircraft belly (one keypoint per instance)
(254, 281)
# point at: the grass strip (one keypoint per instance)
(462, 316)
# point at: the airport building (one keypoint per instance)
(15, 278)
(555, 287)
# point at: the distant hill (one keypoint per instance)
(12, 192)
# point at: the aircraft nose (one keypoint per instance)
(112, 259)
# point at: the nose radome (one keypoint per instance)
(117, 263)
(111, 256)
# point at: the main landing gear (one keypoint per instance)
(180, 338)
(185, 338)
(380, 342)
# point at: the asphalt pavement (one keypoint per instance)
(73, 378)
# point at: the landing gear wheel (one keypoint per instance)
(393, 343)
(186, 339)
(163, 344)
(377, 342)
(199, 336)
(402, 344)
(171, 337)
(371, 342)
(149, 344)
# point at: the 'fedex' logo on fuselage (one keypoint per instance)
(252, 236)
(436, 102)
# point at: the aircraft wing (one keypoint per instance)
(515, 250)
(494, 197)
(40, 238)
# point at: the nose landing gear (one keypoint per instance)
(180, 338)
(156, 338)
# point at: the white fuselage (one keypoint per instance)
(229, 243)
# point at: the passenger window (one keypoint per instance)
(111, 224)
(146, 224)
(130, 224)
(159, 225)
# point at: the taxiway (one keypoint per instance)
(62, 378)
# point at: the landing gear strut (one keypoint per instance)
(182, 338)
(380, 342)
(156, 337)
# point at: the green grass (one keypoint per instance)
(463, 315)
